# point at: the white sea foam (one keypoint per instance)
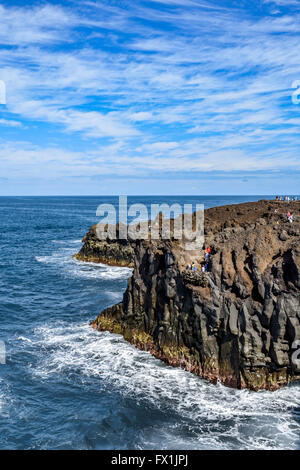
(22, 338)
(217, 417)
(66, 242)
(71, 267)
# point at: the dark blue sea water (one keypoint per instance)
(65, 386)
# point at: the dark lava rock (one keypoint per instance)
(236, 323)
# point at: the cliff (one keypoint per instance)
(111, 252)
(237, 323)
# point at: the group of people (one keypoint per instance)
(192, 267)
(204, 265)
(289, 216)
(286, 198)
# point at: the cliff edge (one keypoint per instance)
(107, 251)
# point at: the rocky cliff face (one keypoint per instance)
(111, 252)
(237, 323)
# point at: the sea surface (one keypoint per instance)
(65, 386)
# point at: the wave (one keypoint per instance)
(71, 267)
(216, 417)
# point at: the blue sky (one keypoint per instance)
(149, 97)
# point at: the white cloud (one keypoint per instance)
(210, 92)
(284, 2)
(21, 26)
(10, 123)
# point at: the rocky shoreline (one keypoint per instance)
(111, 252)
(239, 322)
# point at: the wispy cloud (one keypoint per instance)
(171, 85)
(10, 123)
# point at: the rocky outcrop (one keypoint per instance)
(237, 323)
(107, 251)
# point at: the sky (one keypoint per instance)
(103, 97)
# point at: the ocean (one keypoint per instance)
(65, 386)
